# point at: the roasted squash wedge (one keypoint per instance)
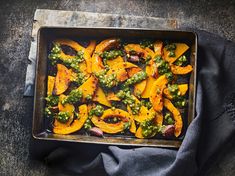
(112, 62)
(158, 120)
(122, 65)
(181, 70)
(139, 88)
(91, 47)
(156, 93)
(88, 87)
(181, 48)
(112, 128)
(77, 123)
(70, 43)
(139, 134)
(176, 115)
(183, 88)
(133, 70)
(62, 79)
(64, 108)
(50, 84)
(149, 84)
(112, 97)
(97, 64)
(123, 115)
(100, 97)
(158, 47)
(151, 70)
(120, 70)
(136, 48)
(87, 55)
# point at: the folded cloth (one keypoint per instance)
(212, 128)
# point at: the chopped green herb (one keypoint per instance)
(52, 100)
(73, 97)
(136, 78)
(63, 117)
(149, 129)
(146, 43)
(181, 61)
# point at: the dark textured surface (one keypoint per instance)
(15, 29)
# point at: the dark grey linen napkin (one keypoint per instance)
(212, 128)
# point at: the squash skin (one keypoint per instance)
(177, 70)
(176, 115)
(91, 47)
(77, 123)
(50, 84)
(70, 43)
(96, 60)
(88, 87)
(64, 108)
(156, 93)
(183, 88)
(62, 79)
(181, 48)
(100, 97)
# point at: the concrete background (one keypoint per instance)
(16, 18)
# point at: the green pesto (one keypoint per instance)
(146, 103)
(128, 99)
(80, 78)
(97, 111)
(171, 48)
(63, 117)
(178, 100)
(73, 97)
(106, 55)
(88, 97)
(107, 81)
(52, 100)
(88, 124)
(181, 61)
(163, 68)
(74, 62)
(169, 119)
(136, 78)
(54, 56)
(149, 129)
(146, 44)
(48, 112)
(127, 126)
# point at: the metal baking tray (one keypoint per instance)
(46, 36)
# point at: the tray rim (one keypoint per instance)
(169, 143)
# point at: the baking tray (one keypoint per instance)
(45, 37)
